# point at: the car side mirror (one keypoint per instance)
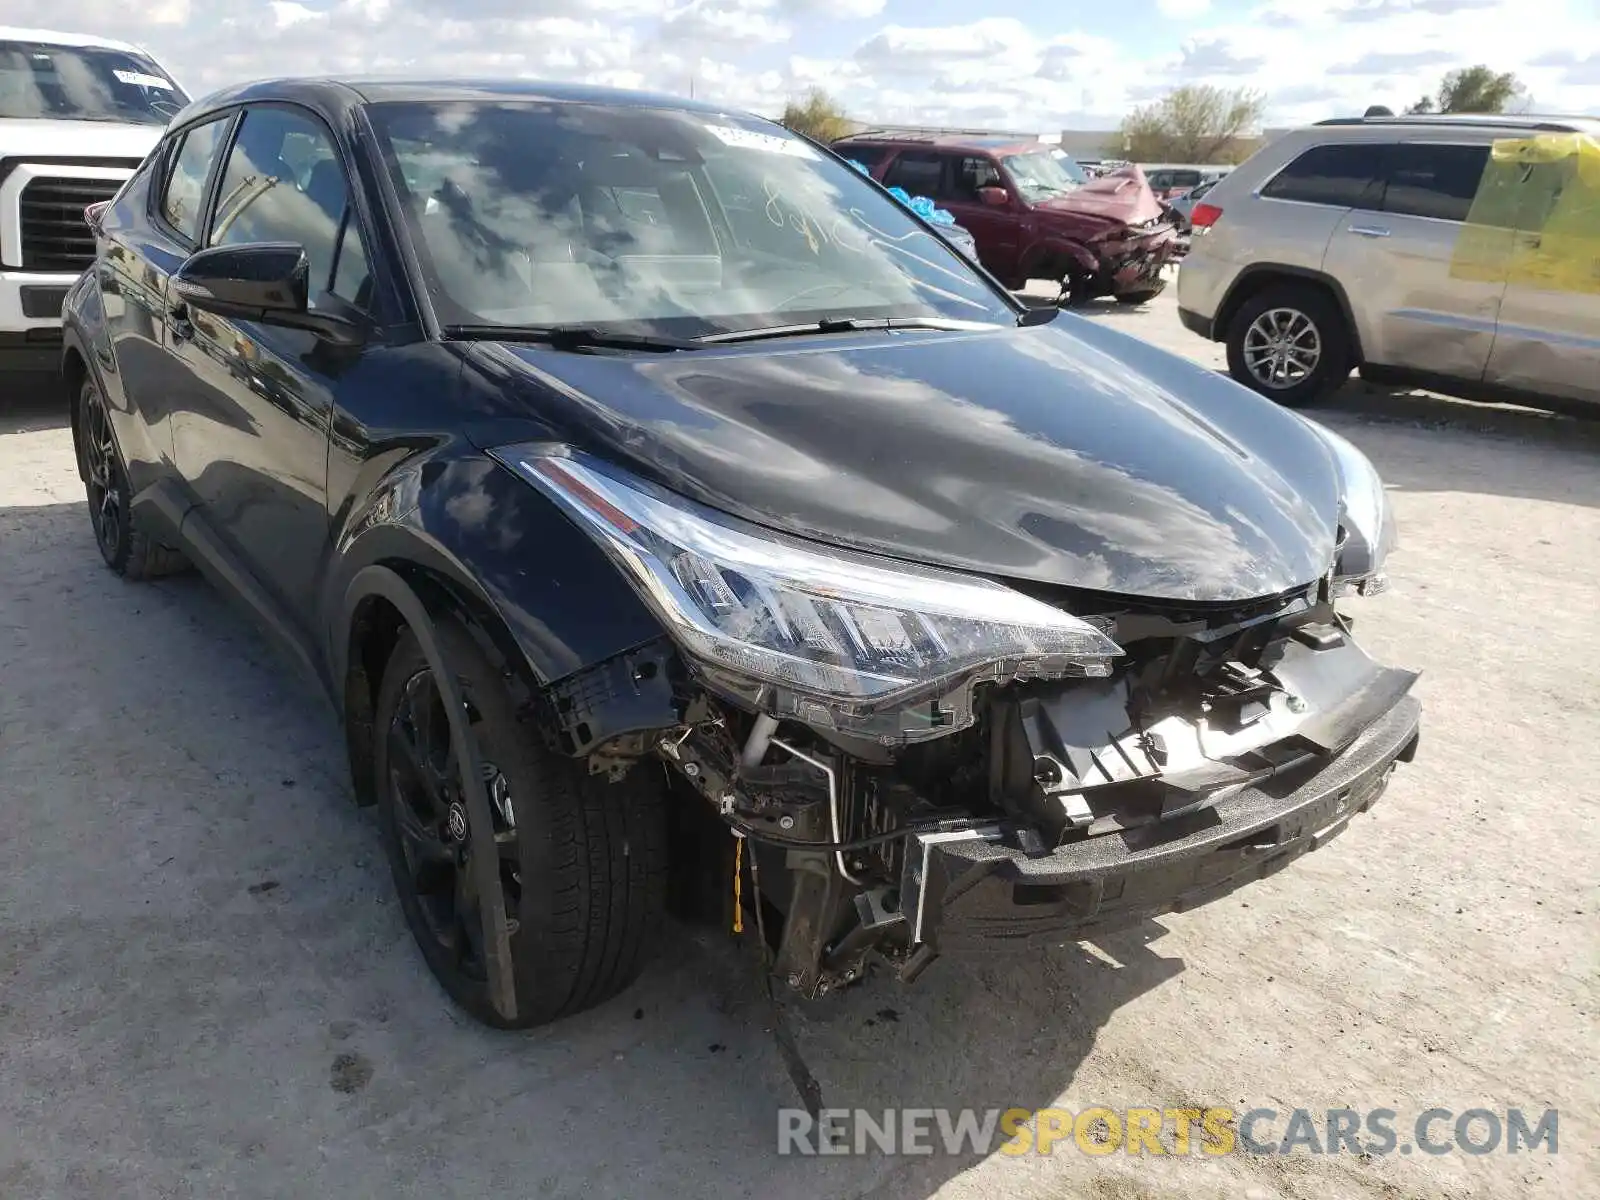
(994, 197)
(269, 282)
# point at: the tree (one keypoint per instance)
(1196, 123)
(1473, 90)
(817, 116)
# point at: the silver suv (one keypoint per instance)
(1335, 247)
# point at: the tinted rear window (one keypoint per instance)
(1343, 175)
(1434, 181)
(920, 174)
(867, 156)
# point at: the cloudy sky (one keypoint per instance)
(1033, 64)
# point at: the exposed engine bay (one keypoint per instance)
(1226, 740)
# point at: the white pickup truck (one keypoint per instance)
(77, 115)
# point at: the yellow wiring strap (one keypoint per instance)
(1535, 219)
(738, 908)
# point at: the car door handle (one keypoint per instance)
(1369, 231)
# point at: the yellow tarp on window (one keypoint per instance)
(1535, 221)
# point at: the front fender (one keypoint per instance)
(473, 526)
(1052, 249)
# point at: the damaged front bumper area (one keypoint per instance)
(984, 883)
(1216, 756)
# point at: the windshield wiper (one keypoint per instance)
(567, 337)
(844, 325)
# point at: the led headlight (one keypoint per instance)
(838, 631)
(1366, 520)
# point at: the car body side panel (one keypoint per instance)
(404, 486)
(130, 280)
(1409, 309)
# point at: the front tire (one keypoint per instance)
(1144, 297)
(583, 861)
(127, 546)
(1290, 343)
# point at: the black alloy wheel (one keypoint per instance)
(104, 479)
(128, 548)
(580, 861)
(430, 817)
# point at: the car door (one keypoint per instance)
(250, 428)
(930, 173)
(993, 228)
(1548, 338)
(151, 229)
(1395, 255)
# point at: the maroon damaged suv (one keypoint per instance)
(1032, 211)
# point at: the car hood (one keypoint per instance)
(1118, 197)
(1067, 454)
(22, 138)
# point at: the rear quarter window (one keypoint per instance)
(867, 156)
(1434, 181)
(1345, 175)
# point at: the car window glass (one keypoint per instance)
(283, 183)
(185, 191)
(867, 156)
(527, 212)
(351, 279)
(1434, 181)
(1342, 175)
(973, 174)
(919, 174)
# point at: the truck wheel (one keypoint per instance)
(582, 860)
(127, 546)
(1289, 342)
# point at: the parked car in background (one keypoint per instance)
(651, 494)
(1182, 206)
(1346, 245)
(77, 115)
(1032, 211)
(1169, 182)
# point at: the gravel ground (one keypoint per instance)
(206, 989)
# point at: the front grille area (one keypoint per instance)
(55, 236)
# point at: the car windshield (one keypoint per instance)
(660, 220)
(1039, 174)
(84, 83)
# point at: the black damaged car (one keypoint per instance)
(655, 498)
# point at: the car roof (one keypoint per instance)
(342, 90)
(13, 33)
(993, 144)
(1531, 122)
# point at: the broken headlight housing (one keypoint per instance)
(1366, 520)
(839, 639)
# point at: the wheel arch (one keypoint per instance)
(74, 370)
(1256, 278)
(385, 598)
(1047, 252)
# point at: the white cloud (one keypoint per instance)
(877, 56)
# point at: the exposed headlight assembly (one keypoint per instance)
(1366, 520)
(838, 639)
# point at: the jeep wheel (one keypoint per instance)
(582, 860)
(125, 544)
(1290, 344)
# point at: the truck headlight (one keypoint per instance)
(833, 632)
(1366, 520)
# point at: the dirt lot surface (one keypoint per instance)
(207, 990)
